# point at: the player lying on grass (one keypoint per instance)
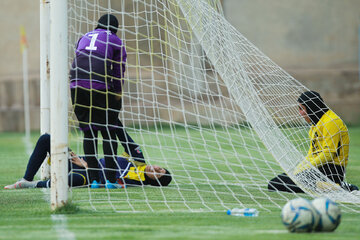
(329, 145)
(127, 173)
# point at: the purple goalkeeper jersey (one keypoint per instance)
(99, 62)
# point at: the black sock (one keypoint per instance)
(110, 152)
(128, 143)
(90, 149)
(43, 184)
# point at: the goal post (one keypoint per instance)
(58, 103)
(44, 78)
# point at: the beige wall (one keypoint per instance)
(300, 34)
(315, 41)
(13, 14)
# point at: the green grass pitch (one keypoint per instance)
(25, 213)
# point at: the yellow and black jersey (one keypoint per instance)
(329, 141)
(127, 172)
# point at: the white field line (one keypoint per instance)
(271, 231)
(59, 220)
(60, 225)
(46, 192)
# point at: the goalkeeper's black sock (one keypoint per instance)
(110, 151)
(111, 169)
(128, 143)
(136, 152)
(90, 148)
(349, 187)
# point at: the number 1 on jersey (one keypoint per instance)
(92, 42)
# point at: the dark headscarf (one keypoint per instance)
(315, 106)
(164, 180)
(108, 22)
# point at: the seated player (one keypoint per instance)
(127, 173)
(329, 145)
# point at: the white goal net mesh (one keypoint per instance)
(204, 103)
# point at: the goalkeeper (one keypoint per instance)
(96, 79)
(126, 172)
(329, 145)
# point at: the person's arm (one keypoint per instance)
(320, 159)
(326, 144)
(78, 161)
(119, 65)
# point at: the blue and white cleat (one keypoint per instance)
(95, 184)
(110, 185)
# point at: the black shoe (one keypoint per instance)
(349, 187)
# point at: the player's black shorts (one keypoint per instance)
(95, 108)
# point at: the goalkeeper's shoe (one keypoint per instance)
(349, 187)
(22, 183)
(110, 185)
(95, 184)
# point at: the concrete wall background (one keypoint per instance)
(13, 14)
(315, 41)
(300, 34)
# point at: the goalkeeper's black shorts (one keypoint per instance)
(95, 108)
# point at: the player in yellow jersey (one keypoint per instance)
(329, 145)
(127, 172)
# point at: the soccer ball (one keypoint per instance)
(330, 214)
(298, 215)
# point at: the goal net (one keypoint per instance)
(202, 102)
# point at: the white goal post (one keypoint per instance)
(201, 101)
(59, 103)
(44, 78)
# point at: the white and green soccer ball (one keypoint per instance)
(299, 215)
(330, 214)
